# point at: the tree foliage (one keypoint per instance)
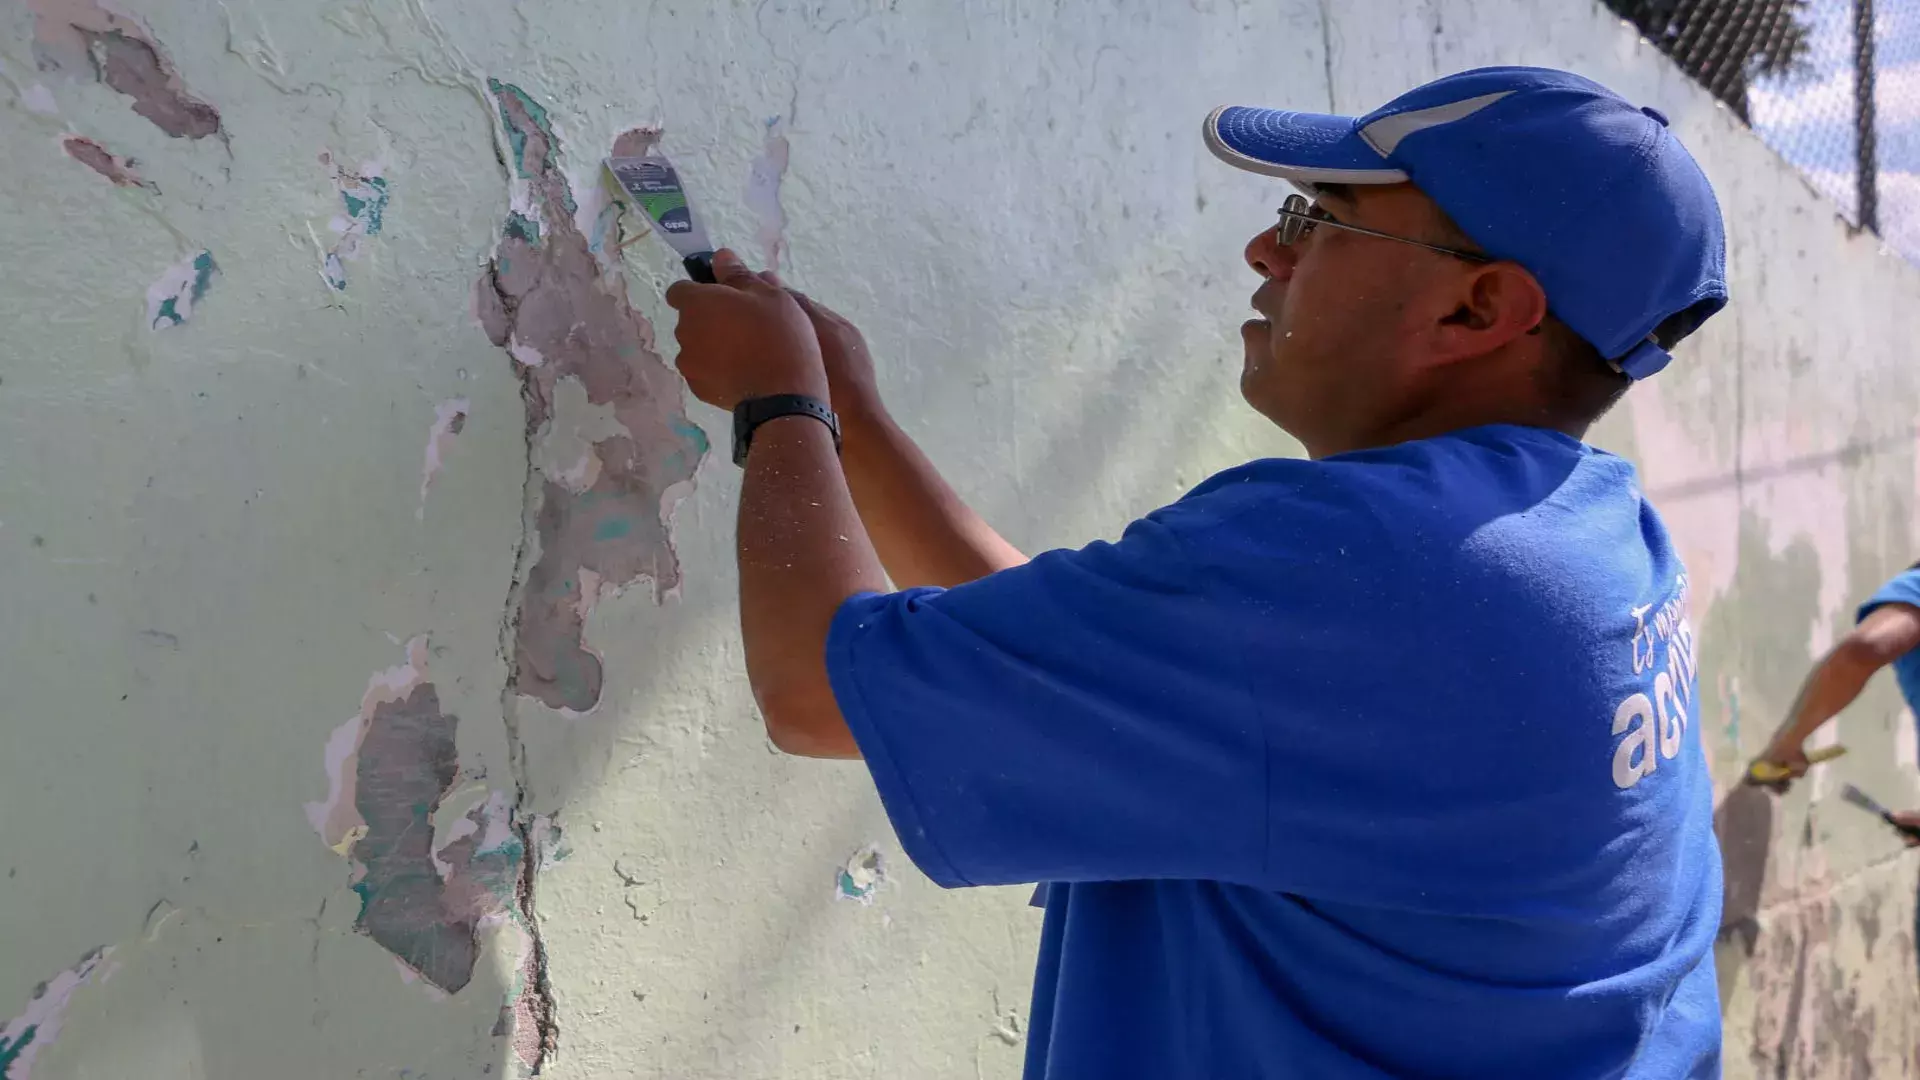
(1724, 44)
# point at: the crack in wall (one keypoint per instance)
(534, 1023)
(538, 1019)
(557, 303)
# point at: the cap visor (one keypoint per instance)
(1306, 148)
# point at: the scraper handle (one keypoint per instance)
(699, 267)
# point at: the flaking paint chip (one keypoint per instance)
(862, 876)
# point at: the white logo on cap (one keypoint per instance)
(1384, 134)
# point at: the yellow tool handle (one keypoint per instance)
(1766, 772)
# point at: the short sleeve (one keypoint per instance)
(1903, 589)
(1077, 718)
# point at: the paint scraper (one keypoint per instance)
(652, 186)
(1766, 772)
(1867, 802)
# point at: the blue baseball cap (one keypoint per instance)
(1592, 195)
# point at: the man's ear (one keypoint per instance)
(1493, 305)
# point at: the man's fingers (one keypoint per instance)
(772, 278)
(815, 309)
(681, 293)
(729, 270)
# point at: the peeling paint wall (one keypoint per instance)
(373, 680)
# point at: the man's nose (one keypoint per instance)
(1269, 258)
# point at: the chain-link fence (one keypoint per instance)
(1833, 85)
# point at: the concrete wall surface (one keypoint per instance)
(373, 698)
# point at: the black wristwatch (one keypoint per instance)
(753, 412)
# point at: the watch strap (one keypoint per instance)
(752, 412)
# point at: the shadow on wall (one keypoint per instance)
(751, 970)
(1743, 823)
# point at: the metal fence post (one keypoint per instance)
(1866, 165)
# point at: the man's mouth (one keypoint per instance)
(1261, 309)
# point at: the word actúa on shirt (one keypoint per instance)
(1654, 718)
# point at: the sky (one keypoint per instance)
(1808, 117)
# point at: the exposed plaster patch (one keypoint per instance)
(472, 811)
(96, 157)
(563, 314)
(85, 38)
(36, 1029)
(171, 299)
(449, 417)
(763, 194)
(429, 882)
(407, 762)
(862, 876)
(567, 452)
(595, 211)
(338, 819)
(364, 194)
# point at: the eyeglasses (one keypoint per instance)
(1298, 218)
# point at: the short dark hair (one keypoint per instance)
(1576, 383)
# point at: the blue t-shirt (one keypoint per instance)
(1382, 765)
(1903, 589)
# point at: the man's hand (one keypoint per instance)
(850, 379)
(1909, 820)
(1786, 752)
(744, 337)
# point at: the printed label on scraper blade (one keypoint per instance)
(655, 188)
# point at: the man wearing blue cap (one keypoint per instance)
(1380, 763)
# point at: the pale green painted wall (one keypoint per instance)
(215, 548)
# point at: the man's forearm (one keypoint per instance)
(802, 552)
(924, 532)
(1830, 687)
